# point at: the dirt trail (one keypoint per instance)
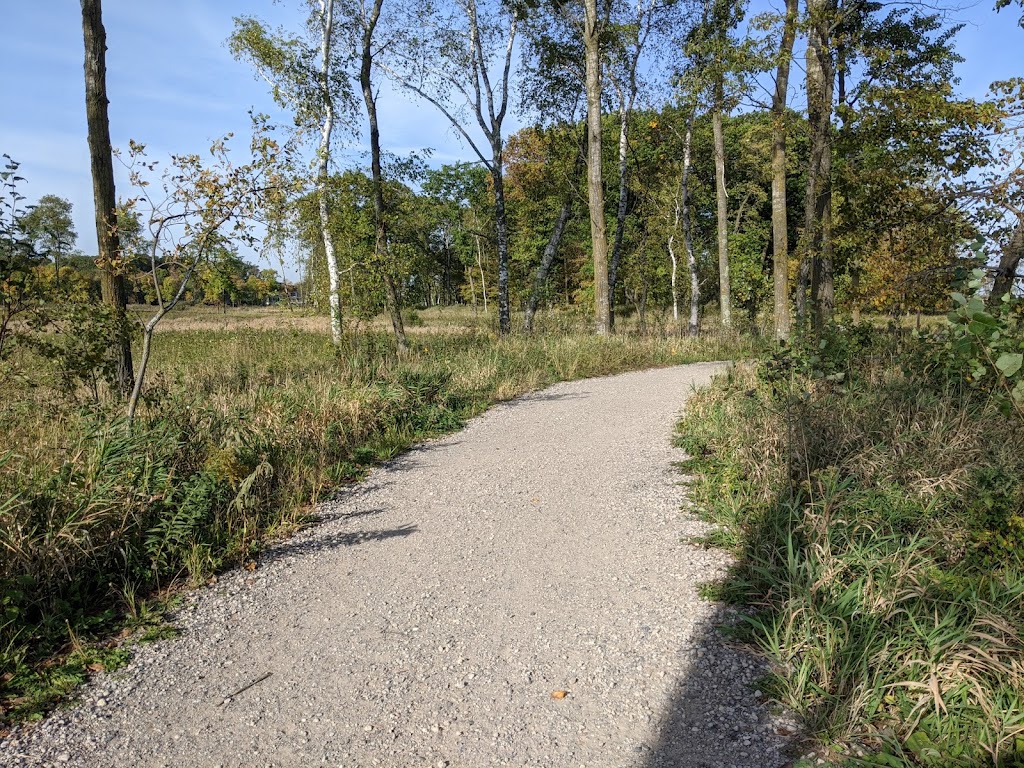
(430, 618)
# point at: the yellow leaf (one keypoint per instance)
(559, 694)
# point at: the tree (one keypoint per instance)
(307, 76)
(592, 29)
(903, 143)
(50, 227)
(780, 219)
(649, 22)
(457, 199)
(19, 285)
(369, 17)
(549, 180)
(114, 287)
(1000, 4)
(201, 209)
(464, 63)
(817, 264)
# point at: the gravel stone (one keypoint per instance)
(431, 615)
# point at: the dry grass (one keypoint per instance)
(241, 429)
(879, 527)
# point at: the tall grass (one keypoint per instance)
(877, 519)
(239, 433)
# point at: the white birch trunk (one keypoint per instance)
(323, 169)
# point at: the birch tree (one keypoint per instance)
(461, 64)
(307, 75)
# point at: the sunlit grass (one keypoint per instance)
(877, 528)
(240, 431)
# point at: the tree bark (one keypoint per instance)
(780, 222)
(722, 199)
(392, 300)
(817, 258)
(595, 189)
(323, 168)
(691, 261)
(1009, 260)
(545, 264)
(112, 284)
(501, 229)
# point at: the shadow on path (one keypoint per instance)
(327, 541)
(715, 717)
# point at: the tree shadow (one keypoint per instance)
(410, 458)
(544, 397)
(322, 541)
(716, 717)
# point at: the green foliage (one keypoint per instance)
(984, 346)
(20, 289)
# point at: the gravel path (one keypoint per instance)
(431, 617)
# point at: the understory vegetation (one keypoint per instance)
(871, 484)
(240, 431)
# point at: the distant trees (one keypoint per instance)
(852, 205)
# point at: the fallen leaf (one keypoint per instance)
(95, 667)
(559, 694)
(251, 565)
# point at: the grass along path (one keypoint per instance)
(240, 431)
(443, 602)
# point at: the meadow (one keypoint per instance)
(249, 417)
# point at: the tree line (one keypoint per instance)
(660, 133)
(670, 165)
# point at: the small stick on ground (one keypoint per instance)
(245, 688)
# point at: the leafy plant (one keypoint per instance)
(985, 345)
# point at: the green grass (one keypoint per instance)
(877, 520)
(241, 430)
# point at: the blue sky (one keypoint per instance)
(174, 86)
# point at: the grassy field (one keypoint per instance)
(248, 418)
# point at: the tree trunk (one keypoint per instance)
(722, 198)
(818, 203)
(323, 168)
(480, 266)
(381, 253)
(472, 288)
(691, 261)
(620, 212)
(595, 190)
(545, 264)
(501, 228)
(113, 287)
(1009, 260)
(780, 223)
(675, 269)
